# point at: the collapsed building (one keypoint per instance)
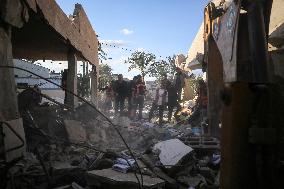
(71, 146)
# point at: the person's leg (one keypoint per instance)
(122, 103)
(106, 105)
(178, 110)
(116, 104)
(133, 108)
(153, 108)
(129, 106)
(141, 106)
(161, 110)
(179, 91)
(170, 113)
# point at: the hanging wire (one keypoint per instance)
(125, 49)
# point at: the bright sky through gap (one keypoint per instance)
(162, 27)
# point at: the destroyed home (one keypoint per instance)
(74, 114)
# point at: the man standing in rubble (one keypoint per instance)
(131, 97)
(200, 110)
(140, 90)
(160, 101)
(180, 77)
(120, 90)
(172, 101)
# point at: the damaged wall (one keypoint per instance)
(76, 33)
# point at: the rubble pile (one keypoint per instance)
(81, 149)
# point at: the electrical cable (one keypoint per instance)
(127, 49)
(95, 108)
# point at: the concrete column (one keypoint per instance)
(94, 85)
(71, 100)
(8, 101)
(8, 97)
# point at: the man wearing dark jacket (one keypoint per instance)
(131, 97)
(140, 89)
(172, 101)
(121, 91)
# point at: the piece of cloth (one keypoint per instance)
(121, 168)
(129, 162)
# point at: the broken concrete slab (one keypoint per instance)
(14, 147)
(193, 181)
(75, 131)
(113, 179)
(63, 173)
(172, 151)
(146, 159)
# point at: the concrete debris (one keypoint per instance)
(81, 149)
(171, 152)
(75, 131)
(197, 181)
(113, 179)
(10, 130)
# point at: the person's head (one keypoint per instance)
(120, 77)
(139, 78)
(164, 76)
(135, 78)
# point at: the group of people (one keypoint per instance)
(168, 94)
(119, 91)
